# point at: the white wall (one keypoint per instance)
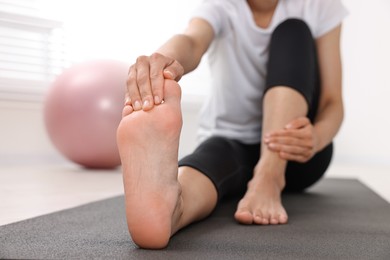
(364, 136)
(119, 29)
(23, 138)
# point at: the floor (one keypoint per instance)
(26, 192)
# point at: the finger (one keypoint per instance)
(307, 143)
(163, 68)
(174, 71)
(132, 89)
(298, 123)
(293, 133)
(283, 140)
(157, 63)
(127, 99)
(143, 82)
(293, 157)
(296, 150)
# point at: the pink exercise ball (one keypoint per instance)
(83, 109)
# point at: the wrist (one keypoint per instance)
(318, 142)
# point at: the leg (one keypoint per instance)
(198, 194)
(227, 163)
(156, 198)
(292, 86)
(262, 203)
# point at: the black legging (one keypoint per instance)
(229, 163)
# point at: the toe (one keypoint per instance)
(172, 91)
(243, 216)
(258, 218)
(274, 221)
(266, 219)
(274, 218)
(283, 218)
(127, 110)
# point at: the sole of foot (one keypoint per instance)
(148, 144)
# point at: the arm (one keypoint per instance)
(178, 56)
(189, 47)
(301, 139)
(331, 110)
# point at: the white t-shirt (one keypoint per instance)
(238, 57)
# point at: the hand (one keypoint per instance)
(146, 80)
(296, 142)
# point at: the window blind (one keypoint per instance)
(31, 50)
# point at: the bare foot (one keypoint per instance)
(148, 145)
(262, 202)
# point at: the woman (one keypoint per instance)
(276, 104)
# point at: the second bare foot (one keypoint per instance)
(262, 202)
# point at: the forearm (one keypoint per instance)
(328, 123)
(182, 48)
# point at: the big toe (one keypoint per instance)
(243, 216)
(172, 91)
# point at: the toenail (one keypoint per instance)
(146, 104)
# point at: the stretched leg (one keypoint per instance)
(199, 196)
(156, 198)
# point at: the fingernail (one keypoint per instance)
(157, 100)
(169, 73)
(127, 101)
(146, 104)
(137, 105)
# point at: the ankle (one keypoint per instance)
(269, 165)
(268, 173)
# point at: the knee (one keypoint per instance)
(294, 28)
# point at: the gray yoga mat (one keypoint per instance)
(336, 219)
